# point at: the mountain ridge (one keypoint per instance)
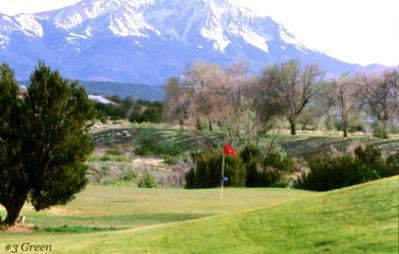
(146, 41)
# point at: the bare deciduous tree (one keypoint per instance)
(176, 102)
(378, 94)
(341, 96)
(287, 89)
(204, 80)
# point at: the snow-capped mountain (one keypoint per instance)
(147, 41)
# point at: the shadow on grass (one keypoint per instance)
(86, 224)
(73, 229)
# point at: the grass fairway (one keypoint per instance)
(102, 212)
(360, 219)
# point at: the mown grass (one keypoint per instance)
(360, 219)
(110, 210)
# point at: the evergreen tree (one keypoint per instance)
(44, 141)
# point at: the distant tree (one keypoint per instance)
(204, 82)
(176, 102)
(342, 96)
(146, 111)
(239, 126)
(112, 111)
(378, 94)
(44, 141)
(289, 88)
(237, 81)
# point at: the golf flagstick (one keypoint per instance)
(222, 183)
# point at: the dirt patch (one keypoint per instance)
(61, 211)
(19, 228)
(55, 210)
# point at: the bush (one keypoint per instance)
(111, 173)
(392, 166)
(332, 173)
(171, 160)
(147, 181)
(369, 155)
(129, 176)
(113, 152)
(265, 171)
(208, 168)
(249, 153)
(168, 147)
(146, 142)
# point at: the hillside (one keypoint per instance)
(137, 91)
(361, 219)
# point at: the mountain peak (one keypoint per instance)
(146, 41)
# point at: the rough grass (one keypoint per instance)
(306, 143)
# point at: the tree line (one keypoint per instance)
(207, 94)
(134, 110)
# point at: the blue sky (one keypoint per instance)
(356, 31)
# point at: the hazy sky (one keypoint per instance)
(357, 31)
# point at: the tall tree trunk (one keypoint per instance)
(293, 126)
(13, 209)
(181, 122)
(345, 129)
(198, 123)
(210, 125)
(345, 118)
(384, 129)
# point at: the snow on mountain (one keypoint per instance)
(147, 41)
(23, 23)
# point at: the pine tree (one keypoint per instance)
(44, 141)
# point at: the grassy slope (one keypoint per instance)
(101, 208)
(361, 219)
(306, 143)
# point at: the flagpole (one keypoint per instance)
(222, 183)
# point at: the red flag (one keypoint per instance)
(229, 150)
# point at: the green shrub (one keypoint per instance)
(267, 170)
(146, 142)
(249, 156)
(279, 161)
(167, 147)
(171, 159)
(392, 166)
(105, 158)
(369, 155)
(129, 176)
(249, 153)
(325, 173)
(113, 152)
(332, 173)
(119, 158)
(147, 181)
(208, 168)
